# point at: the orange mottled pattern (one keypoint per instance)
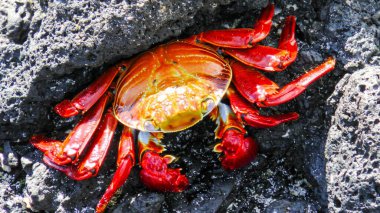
(171, 87)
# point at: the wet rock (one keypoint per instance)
(282, 206)
(145, 202)
(212, 199)
(356, 33)
(51, 50)
(353, 144)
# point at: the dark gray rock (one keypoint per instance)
(355, 32)
(11, 196)
(353, 144)
(50, 50)
(41, 188)
(282, 206)
(144, 202)
(353, 140)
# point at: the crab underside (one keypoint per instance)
(171, 88)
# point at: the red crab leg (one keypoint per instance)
(243, 37)
(270, 58)
(68, 151)
(257, 88)
(155, 173)
(251, 83)
(297, 86)
(237, 149)
(90, 95)
(91, 163)
(250, 116)
(125, 162)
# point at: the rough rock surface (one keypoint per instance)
(353, 145)
(50, 50)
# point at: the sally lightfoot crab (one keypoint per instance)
(171, 88)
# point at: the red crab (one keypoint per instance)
(171, 88)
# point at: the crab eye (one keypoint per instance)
(150, 126)
(207, 105)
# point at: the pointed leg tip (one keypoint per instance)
(270, 6)
(66, 109)
(101, 207)
(36, 139)
(44, 144)
(331, 61)
(267, 12)
(292, 116)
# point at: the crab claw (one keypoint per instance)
(238, 150)
(156, 175)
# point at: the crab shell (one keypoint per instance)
(171, 87)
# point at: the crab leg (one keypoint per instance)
(155, 173)
(243, 37)
(91, 163)
(269, 58)
(90, 95)
(125, 162)
(68, 151)
(238, 150)
(297, 86)
(250, 116)
(257, 88)
(251, 83)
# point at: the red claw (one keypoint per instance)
(238, 150)
(156, 175)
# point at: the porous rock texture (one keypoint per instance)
(50, 50)
(353, 144)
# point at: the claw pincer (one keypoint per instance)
(238, 149)
(156, 175)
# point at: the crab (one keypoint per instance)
(171, 88)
